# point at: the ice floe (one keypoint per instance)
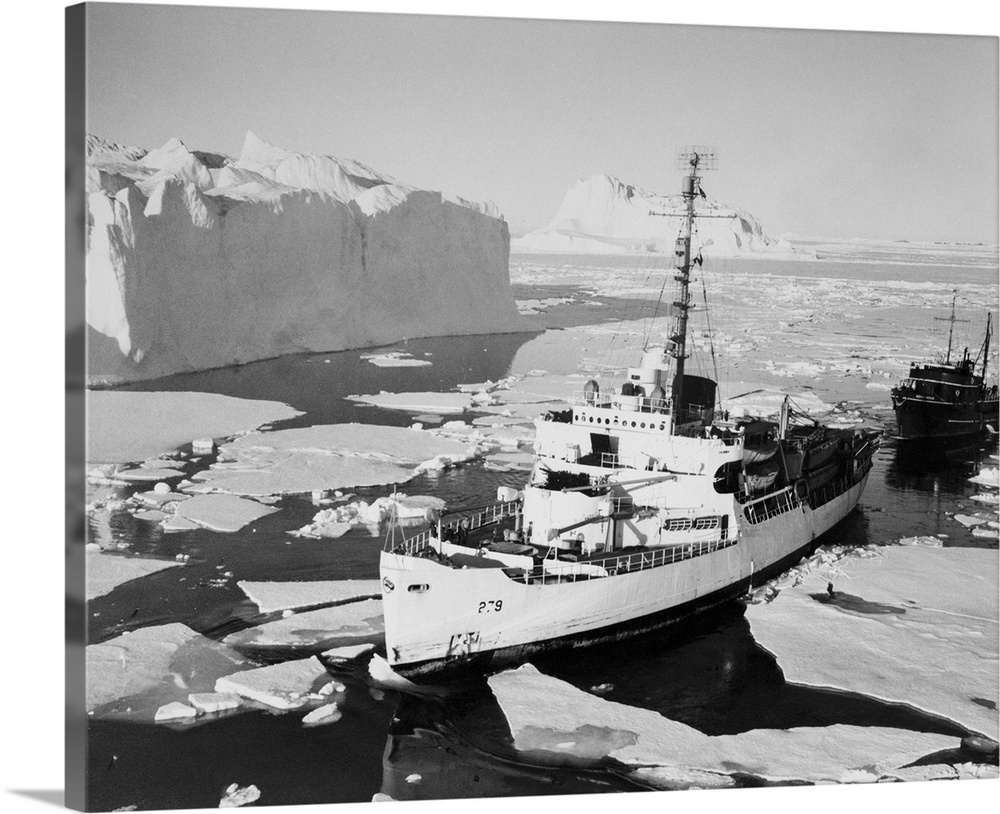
(125, 426)
(222, 512)
(144, 474)
(138, 672)
(283, 686)
(324, 457)
(916, 625)
(326, 714)
(175, 711)
(988, 476)
(210, 702)
(275, 596)
(395, 359)
(350, 652)
(106, 571)
(430, 402)
(337, 521)
(237, 796)
(551, 718)
(353, 623)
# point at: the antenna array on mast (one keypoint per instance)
(696, 157)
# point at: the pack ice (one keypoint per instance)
(604, 215)
(329, 456)
(916, 625)
(197, 260)
(554, 719)
(134, 674)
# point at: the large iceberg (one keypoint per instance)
(196, 261)
(604, 215)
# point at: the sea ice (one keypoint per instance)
(105, 572)
(679, 777)
(987, 477)
(968, 521)
(125, 426)
(138, 672)
(337, 521)
(925, 540)
(274, 596)
(141, 474)
(214, 701)
(419, 402)
(549, 716)
(174, 711)
(353, 623)
(150, 515)
(917, 625)
(325, 457)
(395, 359)
(222, 512)
(287, 685)
(348, 653)
(159, 499)
(177, 523)
(237, 796)
(326, 714)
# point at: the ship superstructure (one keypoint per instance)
(644, 505)
(948, 399)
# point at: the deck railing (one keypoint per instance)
(485, 516)
(553, 571)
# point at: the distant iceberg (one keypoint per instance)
(196, 260)
(603, 215)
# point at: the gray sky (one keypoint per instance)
(834, 134)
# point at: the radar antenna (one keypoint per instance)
(693, 160)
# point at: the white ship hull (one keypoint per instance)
(436, 614)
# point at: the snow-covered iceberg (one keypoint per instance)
(604, 215)
(196, 260)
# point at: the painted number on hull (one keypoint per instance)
(491, 606)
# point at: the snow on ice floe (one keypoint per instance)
(105, 571)
(150, 474)
(395, 359)
(428, 402)
(915, 625)
(322, 457)
(237, 796)
(283, 686)
(338, 520)
(226, 513)
(988, 476)
(138, 672)
(124, 426)
(551, 718)
(326, 714)
(351, 623)
(275, 596)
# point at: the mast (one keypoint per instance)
(951, 327)
(986, 343)
(691, 159)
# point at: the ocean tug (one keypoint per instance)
(949, 399)
(644, 505)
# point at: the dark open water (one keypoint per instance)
(712, 675)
